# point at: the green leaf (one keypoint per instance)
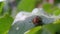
(1, 6)
(5, 23)
(54, 27)
(47, 7)
(26, 5)
(56, 12)
(36, 30)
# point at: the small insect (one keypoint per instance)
(37, 21)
